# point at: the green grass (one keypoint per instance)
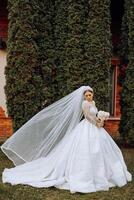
(21, 192)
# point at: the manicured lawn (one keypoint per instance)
(19, 192)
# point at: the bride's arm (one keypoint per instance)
(87, 115)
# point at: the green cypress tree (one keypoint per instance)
(60, 30)
(98, 50)
(86, 47)
(28, 71)
(46, 45)
(73, 61)
(49, 35)
(123, 46)
(127, 103)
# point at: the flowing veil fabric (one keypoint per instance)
(38, 136)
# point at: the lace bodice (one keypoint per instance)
(89, 111)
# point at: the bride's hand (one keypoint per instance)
(99, 123)
(98, 120)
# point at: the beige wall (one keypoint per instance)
(2, 79)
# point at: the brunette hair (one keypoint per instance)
(87, 91)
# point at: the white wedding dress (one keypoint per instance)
(87, 160)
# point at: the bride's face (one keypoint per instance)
(88, 95)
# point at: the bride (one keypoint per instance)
(58, 148)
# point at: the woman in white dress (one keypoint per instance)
(57, 148)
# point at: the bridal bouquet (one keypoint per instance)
(102, 116)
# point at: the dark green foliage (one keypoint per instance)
(28, 72)
(86, 54)
(46, 45)
(123, 46)
(60, 30)
(55, 47)
(74, 46)
(127, 103)
(98, 51)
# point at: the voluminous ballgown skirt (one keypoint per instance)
(87, 160)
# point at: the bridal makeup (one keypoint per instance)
(88, 95)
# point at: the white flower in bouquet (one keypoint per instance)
(102, 115)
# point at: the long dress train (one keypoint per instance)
(87, 160)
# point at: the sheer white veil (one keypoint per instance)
(38, 136)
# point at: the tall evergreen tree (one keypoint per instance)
(86, 47)
(28, 71)
(53, 48)
(127, 103)
(73, 61)
(123, 46)
(46, 45)
(60, 30)
(98, 50)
